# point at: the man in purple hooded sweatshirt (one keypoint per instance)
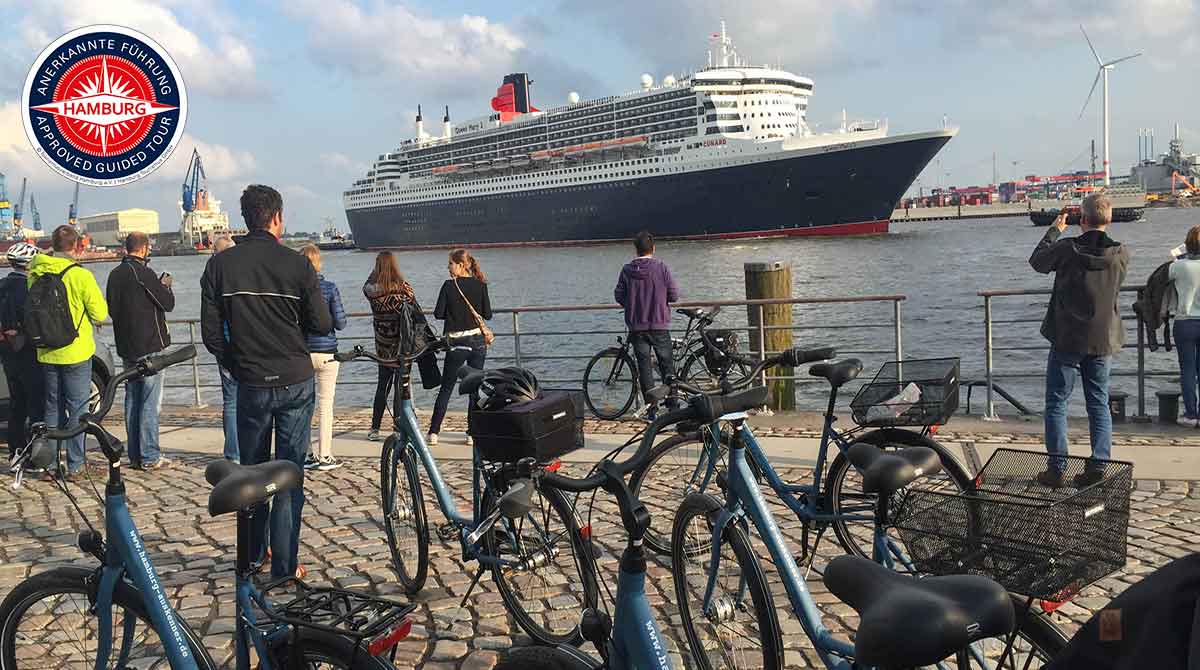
(644, 289)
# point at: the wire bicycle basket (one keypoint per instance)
(920, 392)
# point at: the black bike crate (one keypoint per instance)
(1037, 541)
(544, 429)
(878, 403)
(723, 343)
(349, 613)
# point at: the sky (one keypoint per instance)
(305, 94)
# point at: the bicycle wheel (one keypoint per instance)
(609, 383)
(318, 650)
(844, 488)
(695, 372)
(677, 466)
(1035, 644)
(545, 572)
(734, 633)
(46, 622)
(404, 514)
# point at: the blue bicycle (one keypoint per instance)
(541, 562)
(118, 615)
(727, 604)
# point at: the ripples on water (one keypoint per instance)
(940, 266)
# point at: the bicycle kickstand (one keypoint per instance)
(470, 589)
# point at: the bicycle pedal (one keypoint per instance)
(447, 531)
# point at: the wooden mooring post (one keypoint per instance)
(770, 325)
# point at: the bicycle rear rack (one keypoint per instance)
(338, 611)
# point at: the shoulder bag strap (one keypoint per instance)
(474, 314)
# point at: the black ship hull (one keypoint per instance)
(843, 191)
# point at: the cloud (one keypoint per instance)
(223, 69)
(394, 41)
(221, 163)
(340, 162)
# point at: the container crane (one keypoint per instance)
(73, 213)
(33, 212)
(17, 220)
(195, 185)
(5, 206)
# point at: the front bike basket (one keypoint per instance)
(347, 613)
(1047, 543)
(909, 393)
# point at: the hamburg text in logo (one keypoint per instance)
(104, 105)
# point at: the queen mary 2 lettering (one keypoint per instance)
(725, 152)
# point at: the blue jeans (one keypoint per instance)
(659, 340)
(229, 400)
(463, 351)
(1187, 343)
(67, 390)
(143, 400)
(286, 412)
(1062, 369)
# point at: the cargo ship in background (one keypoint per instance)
(725, 152)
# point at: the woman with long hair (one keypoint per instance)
(390, 296)
(463, 299)
(322, 347)
(1185, 273)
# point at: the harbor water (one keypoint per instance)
(940, 266)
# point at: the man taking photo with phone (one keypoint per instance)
(1083, 325)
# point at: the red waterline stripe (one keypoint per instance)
(840, 229)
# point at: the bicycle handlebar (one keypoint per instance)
(144, 368)
(359, 351)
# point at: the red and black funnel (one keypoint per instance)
(513, 95)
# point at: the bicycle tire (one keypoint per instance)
(1044, 638)
(543, 658)
(75, 582)
(395, 458)
(327, 651)
(658, 537)
(622, 406)
(689, 594)
(836, 486)
(549, 604)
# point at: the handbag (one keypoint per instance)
(488, 335)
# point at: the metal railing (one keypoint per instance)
(551, 341)
(1141, 373)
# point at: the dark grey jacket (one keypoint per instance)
(1083, 316)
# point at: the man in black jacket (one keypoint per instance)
(26, 379)
(138, 300)
(269, 296)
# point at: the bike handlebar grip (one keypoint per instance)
(797, 357)
(709, 408)
(163, 361)
(218, 470)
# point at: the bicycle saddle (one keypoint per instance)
(237, 486)
(889, 471)
(910, 622)
(469, 380)
(837, 373)
(690, 312)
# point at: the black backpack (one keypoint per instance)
(48, 322)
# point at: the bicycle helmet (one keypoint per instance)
(506, 386)
(21, 253)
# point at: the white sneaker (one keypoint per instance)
(329, 463)
(470, 442)
(1186, 422)
(431, 439)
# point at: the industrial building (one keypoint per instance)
(109, 229)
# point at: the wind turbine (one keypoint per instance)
(1102, 72)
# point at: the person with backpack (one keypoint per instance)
(63, 304)
(398, 322)
(463, 304)
(270, 297)
(26, 380)
(139, 300)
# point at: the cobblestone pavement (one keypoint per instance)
(344, 544)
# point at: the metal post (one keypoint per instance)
(195, 365)
(989, 413)
(517, 338)
(896, 328)
(762, 342)
(1141, 373)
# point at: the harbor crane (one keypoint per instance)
(73, 213)
(20, 205)
(195, 185)
(5, 206)
(34, 214)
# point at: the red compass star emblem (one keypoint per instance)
(104, 105)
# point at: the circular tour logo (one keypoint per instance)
(104, 105)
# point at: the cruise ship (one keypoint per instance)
(724, 152)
